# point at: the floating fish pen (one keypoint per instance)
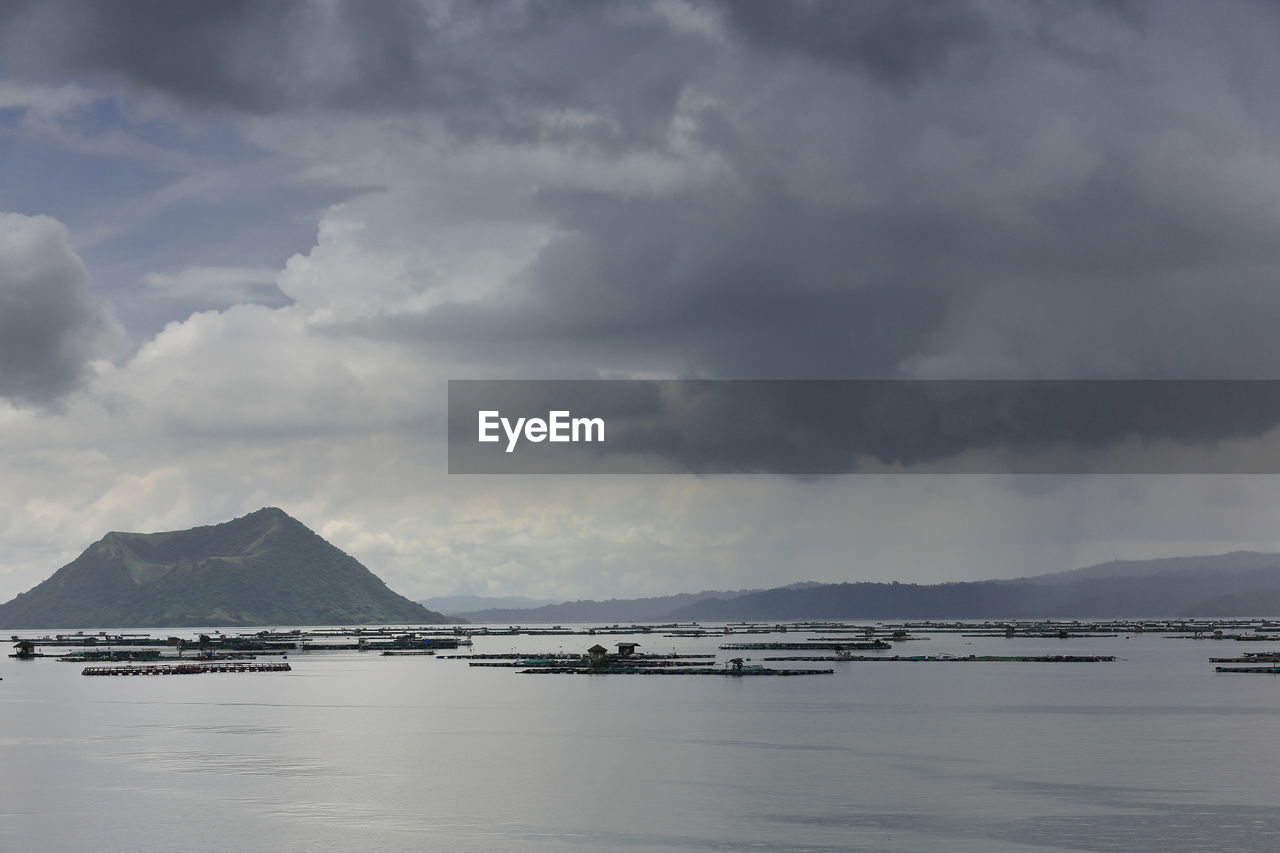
(561, 631)
(839, 645)
(957, 658)
(388, 631)
(511, 656)
(235, 644)
(1189, 628)
(96, 640)
(186, 669)
(1270, 657)
(1038, 633)
(567, 656)
(365, 646)
(149, 656)
(683, 635)
(640, 670)
(1264, 670)
(431, 643)
(566, 661)
(1243, 637)
(86, 657)
(563, 662)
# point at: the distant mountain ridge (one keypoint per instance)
(1239, 583)
(1259, 602)
(460, 605)
(1235, 561)
(612, 610)
(1172, 593)
(264, 568)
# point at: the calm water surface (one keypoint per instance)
(355, 752)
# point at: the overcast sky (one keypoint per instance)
(243, 245)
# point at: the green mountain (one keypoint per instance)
(265, 568)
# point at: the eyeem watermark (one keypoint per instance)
(822, 427)
(558, 426)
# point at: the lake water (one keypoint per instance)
(356, 752)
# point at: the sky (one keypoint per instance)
(244, 245)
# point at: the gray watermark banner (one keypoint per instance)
(827, 427)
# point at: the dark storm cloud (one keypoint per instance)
(484, 68)
(50, 328)
(1105, 210)
(841, 427)
(763, 289)
(893, 41)
(895, 189)
(239, 53)
(481, 66)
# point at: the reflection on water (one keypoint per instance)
(352, 752)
